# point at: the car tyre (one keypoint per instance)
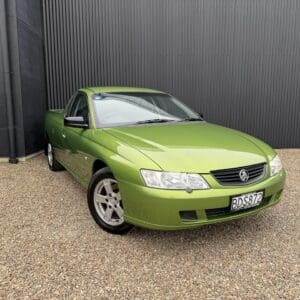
(53, 164)
(105, 203)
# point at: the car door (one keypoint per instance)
(64, 151)
(76, 143)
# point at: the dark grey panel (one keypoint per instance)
(3, 117)
(17, 104)
(27, 75)
(4, 146)
(29, 12)
(26, 58)
(33, 86)
(236, 61)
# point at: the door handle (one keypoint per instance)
(63, 135)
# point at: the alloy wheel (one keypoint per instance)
(108, 202)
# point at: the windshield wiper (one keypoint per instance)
(154, 121)
(190, 119)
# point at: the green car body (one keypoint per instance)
(191, 147)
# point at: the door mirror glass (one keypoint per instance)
(78, 122)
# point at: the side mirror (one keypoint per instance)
(78, 122)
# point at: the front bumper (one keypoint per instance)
(160, 209)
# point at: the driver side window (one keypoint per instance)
(79, 107)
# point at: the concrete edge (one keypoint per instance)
(23, 158)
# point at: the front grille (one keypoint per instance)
(232, 176)
(225, 211)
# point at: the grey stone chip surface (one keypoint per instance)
(50, 247)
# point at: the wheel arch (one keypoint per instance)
(98, 165)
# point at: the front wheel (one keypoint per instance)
(105, 203)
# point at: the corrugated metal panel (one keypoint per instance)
(236, 61)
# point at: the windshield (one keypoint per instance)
(121, 109)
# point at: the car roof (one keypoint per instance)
(119, 89)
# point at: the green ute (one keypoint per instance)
(146, 159)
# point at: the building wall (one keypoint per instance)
(235, 61)
(26, 57)
(3, 119)
(32, 72)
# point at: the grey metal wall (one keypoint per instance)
(236, 61)
(3, 118)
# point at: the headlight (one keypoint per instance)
(275, 165)
(174, 181)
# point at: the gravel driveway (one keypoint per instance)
(51, 247)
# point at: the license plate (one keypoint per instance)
(246, 201)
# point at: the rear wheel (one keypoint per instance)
(105, 203)
(53, 164)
